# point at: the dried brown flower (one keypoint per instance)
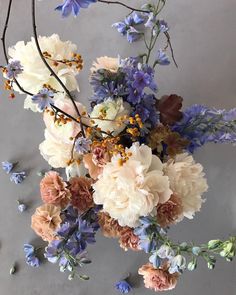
(81, 191)
(170, 212)
(128, 240)
(109, 226)
(169, 107)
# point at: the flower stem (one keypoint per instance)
(49, 67)
(122, 4)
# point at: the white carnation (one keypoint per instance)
(111, 110)
(35, 73)
(134, 189)
(187, 181)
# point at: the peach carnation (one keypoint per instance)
(46, 221)
(95, 161)
(54, 190)
(158, 279)
(81, 191)
(170, 212)
(128, 240)
(109, 226)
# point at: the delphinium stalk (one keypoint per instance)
(180, 256)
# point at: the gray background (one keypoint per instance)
(203, 35)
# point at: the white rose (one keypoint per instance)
(133, 190)
(35, 73)
(187, 181)
(111, 110)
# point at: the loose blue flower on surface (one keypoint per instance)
(22, 207)
(30, 255)
(123, 287)
(73, 6)
(82, 145)
(7, 166)
(43, 99)
(18, 177)
(13, 69)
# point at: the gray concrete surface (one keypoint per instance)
(203, 35)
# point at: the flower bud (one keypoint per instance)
(213, 244)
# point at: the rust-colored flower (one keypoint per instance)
(169, 107)
(81, 191)
(128, 240)
(54, 190)
(170, 212)
(46, 221)
(163, 134)
(158, 279)
(109, 226)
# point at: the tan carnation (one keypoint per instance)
(158, 279)
(81, 191)
(54, 190)
(128, 240)
(109, 226)
(170, 212)
(46, 221)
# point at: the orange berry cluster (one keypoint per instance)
(8, 86)
(76, 60)
(59, 119)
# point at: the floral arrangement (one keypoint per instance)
(128, 159)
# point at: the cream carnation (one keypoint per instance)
(133, 189)
(35, 74)
(108, 63)
(57, 146)
(187, 182)
(111, 110)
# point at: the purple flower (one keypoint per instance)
(201, 125)
(123, 287)
(13, 69)
(163, 26)
(18, 177)
(43, 99)
(133, 35)
(162, 58)
(30, 255)
(73, 6)
(82, 145)
(7, 166)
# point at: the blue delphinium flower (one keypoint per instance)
(163, 26)
(30, 255)
(177, 264)
(148, 233)
(7, 166)
(82, 145)
(123, 287)
(73, 6)
(127, 27)
(13, 69)
(43, 99)
(162, 58)
(201, 124)
(18, 177)
(155, 260)
(74, 234)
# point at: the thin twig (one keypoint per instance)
(122, 4)
(3, 39)
(50, 69)
(171, 48)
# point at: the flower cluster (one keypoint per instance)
(129, 163)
